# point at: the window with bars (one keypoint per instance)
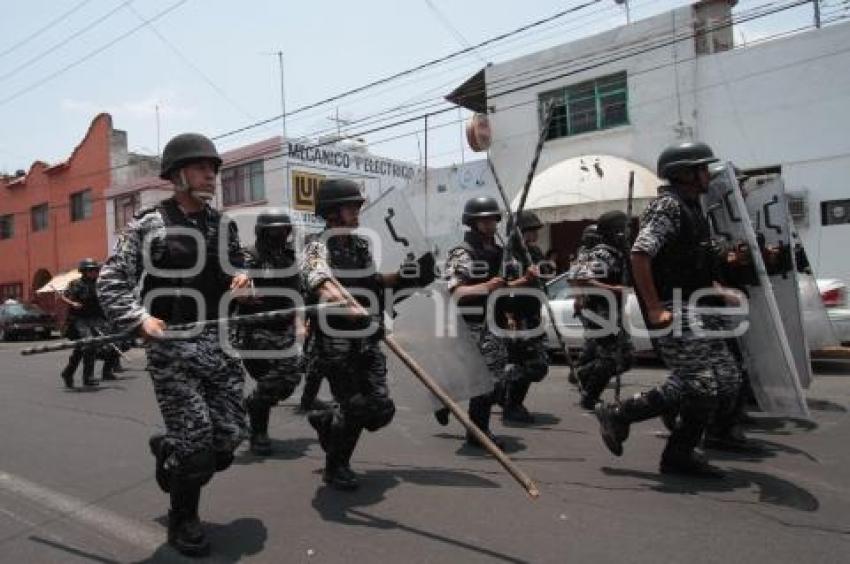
(125, 207)
(39, 215)
(592, 105)
(7, 226)
(81, 205)
(243, 184)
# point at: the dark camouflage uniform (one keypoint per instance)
(89, 321)
(277, 376)
(197, 386)
(607, 355)
(700, 367)
(494, 350)
(355, 367)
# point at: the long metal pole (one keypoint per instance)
(816, 4)
(432, 385)
(427, 216)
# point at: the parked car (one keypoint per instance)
(561, 298)
(833, 293)
(25, 320)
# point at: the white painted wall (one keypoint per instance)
(782, 102)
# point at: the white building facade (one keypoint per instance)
(779, 106)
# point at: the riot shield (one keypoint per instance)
(770, 361)
(820, 333)
(395, 234)
(428, 327)
(768, 210)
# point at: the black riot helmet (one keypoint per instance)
(185, 148)
(528, 221)
(687, 154)
(590, 236)
(336, 192)
(88, 264)
(272, 218)
(479, 208)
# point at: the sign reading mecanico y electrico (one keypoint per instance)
(345, 160)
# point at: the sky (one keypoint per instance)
(211, 66)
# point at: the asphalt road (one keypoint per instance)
(76, 485)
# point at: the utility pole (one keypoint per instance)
(339, 121)
(625, 4)
(158, 150)
(286, 184)
(816, 4)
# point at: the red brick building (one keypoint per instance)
(53, 215)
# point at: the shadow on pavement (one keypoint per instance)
(71, 551)
(344, 507)
(540, 420)
(243, 537)
(288, 449)
(825, 405)
(763, 449)
(772, 490)
(779, 425)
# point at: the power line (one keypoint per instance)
(41, 30)
(411, 70)
(192, 66)
(65, 41)
(525, 103)
(89, 55)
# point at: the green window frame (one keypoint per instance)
(592, 105)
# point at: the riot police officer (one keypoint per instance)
(526, 354)
(474, 272)
(672, 255)
(272, 260)
(86, 319)
(179, 248)
(601, 269)
(337, 266)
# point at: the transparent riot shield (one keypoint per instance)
(393, 230)
(820, 333)
(768, 210)
(429, 328)
(770, 362)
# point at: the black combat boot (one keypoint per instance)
(615, 419)
(726, 431)
(679, 456)
(338, 473)
(258, 418)
(68, 378)
(514, 410)
(108, 372)
(321, 421)
(442, 416)
(185, 532)
(479, 413)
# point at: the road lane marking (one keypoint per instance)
(128, 530)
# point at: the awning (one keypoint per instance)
(472, 94)
(59, 282)
(583, 188)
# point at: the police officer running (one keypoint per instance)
(337, 266)
(600, 269)
(672, 253)
(473, 269)
(176, 246)
(277, 371)
(86, 319)
(527, 354)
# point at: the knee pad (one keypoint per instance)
(223, 460)
(536, 370)
(370, 412)
(197, 468)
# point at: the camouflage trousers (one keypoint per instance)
(351, 366)
(199, 391)
(603, 358)
(276, 377)
(701, 366)
(494, 351)
(528, 361)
